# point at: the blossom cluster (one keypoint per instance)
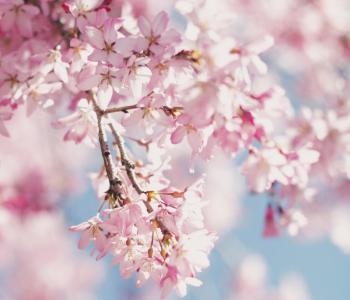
(161, 237)
(312, 49)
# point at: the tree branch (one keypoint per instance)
(129, 166)
(115, 184)
(123, 109)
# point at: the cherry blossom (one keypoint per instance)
(17, 13)
(142, 87)
(81, 124)
(155, 33)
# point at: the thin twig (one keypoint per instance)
(106, 154)
(124, 109)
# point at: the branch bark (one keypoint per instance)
(124, 109)
(126, 162)
(115, 184)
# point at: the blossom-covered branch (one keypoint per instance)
(106, 71)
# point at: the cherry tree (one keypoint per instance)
(169, 99)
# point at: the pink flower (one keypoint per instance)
(263, 168)
(79, 8)
(104, 42)
(77, 55)
(150, 114)
(186, 128)
(249, 54)
(133, 76)
(299, 164)
(16, 13)
(90, 231)
(82, 124)
(101, 80)
(11, 77)
(122, 220)
(54, 64)
(38, 94)
(189, 257)
(173, 279)
(159, 39)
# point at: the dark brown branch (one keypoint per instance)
(115, 184)
(126, 162)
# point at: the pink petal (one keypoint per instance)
(160, 23)
(115, 59)
(145, 27)
(195, 140)
(110, 30)
(76, 134)
(125, 46)
(169, 37)
(110, 228)
(100, 242)
(98, 55)
(89, 82)
(178, 135)
(135, 213)
(167, 286)
(84, 239)
(95, 37)
(134, 118)
(141, 44)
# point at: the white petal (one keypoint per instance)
(61, 72)
(104, 95)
